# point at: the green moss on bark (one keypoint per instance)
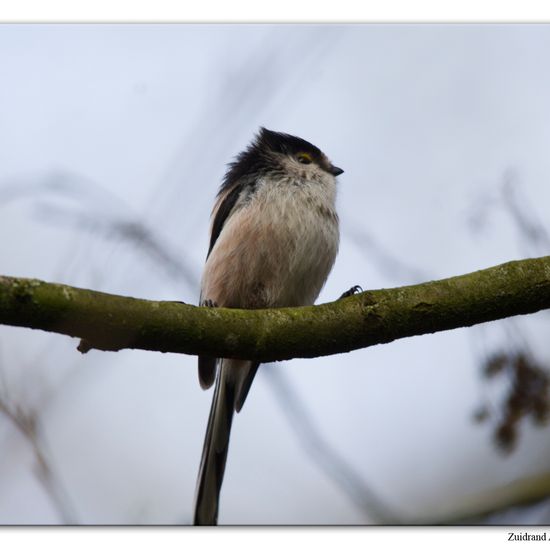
(111, 322)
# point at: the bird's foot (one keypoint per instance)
(353, 290)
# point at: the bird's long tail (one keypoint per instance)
(216, 444)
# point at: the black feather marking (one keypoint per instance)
(207, 365)
(287, 144)
(222, 214)
(214, 454)
(207, 371)
(242, 391)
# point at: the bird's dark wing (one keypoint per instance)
(227, 201)
(207, 371)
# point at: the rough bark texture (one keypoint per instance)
(110, 322)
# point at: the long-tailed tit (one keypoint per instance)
(274, 239)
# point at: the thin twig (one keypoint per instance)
(26, 423)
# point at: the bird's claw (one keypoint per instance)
(353, 290)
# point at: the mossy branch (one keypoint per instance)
(111, 322)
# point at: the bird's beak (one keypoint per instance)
(335, 171)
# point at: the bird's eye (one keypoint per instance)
(304, 158)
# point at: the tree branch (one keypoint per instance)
(111, 322)
(479, 507)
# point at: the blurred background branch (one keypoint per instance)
(27, 422)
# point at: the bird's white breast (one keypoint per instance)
(277, 249)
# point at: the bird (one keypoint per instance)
(274, 237)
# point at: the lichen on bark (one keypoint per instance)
(112, 322)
